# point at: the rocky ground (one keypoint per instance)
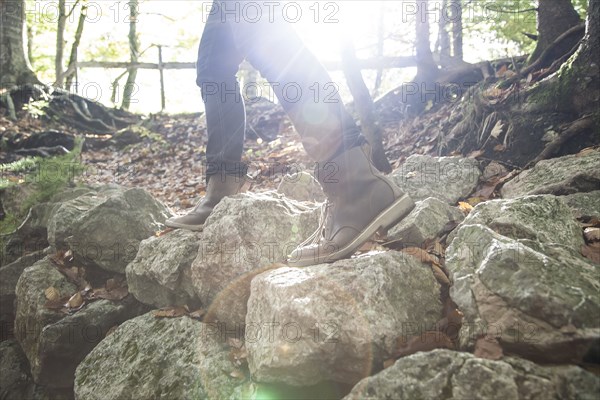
(489, 289)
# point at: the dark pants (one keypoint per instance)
(235, 31)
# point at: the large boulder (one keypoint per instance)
(336, 321)
(160, 273)
(244, 235)
(53, 342)
(446, 178)
(9, 276)
(105, 228)
(157, 358)
(584, 204)
(543, 218)
(449, 375)
(16, 382)
(559, 176)
(426, 221)
(539, 300)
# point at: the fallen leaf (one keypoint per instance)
(169, 312)
(111, 330)
(591, 251)
(497, 129)
(421, 255)
(52, 293)
(473, 201)
(75, 301)
(163, 232)
(488, 348)
(465, 207)
(236, 373)
(499, 148)
(388, 363)
(592, 234)
(475, 154)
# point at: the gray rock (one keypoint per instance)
(158, 358)
(425, 222)
(105, 229)
(244, 235)
(584, 204)
(160, 273)
(336, 321)
(9, 276)
(559, 176)
(53, 342)
(540, 300)
(301, 186)
(543, 218)
(446, 375)
(446, 178)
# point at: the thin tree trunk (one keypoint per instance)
(554, 18)
(60, 44)
(134, 53)
(14, 64)
(72, 67)
(457, 29)
(364, 107)
(380, 40)
(444, 35)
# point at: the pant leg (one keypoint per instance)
(217, 65)
(301, 83)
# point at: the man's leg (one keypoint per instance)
(218, 63)
(360, 200)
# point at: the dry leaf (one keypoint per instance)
(499, 148)
(591, 251)
(75, 301)
(475, 154)
(421, 255)
(169, 312)
(388, 363)
(198, 314)
(497, 129)
(163, 232)
(465, 207)
(52, 293)
(111, 330)
(488, 348)
(592, 234)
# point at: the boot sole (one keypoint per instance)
(387, 218)
(175, 225)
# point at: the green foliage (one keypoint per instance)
(36, 108)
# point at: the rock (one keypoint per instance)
(301, 186)
(446, 178)
(539, 300)
(105, 229)
(543, 218)
(9, 276)
(15, 380)
(559, 176)
(159, 358)
(244, 235)
(584, 204)
(446, 375)
(160, 273)
(53, 342)
(427, 221)
(336, 321)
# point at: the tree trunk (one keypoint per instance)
(60, 44)
(364, 106)
(14, 64)
(444, 35)
(72, 67)
(457, 29)
(134, 49)
(555, 17)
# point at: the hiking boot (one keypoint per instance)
(219, 186)
(360, 201)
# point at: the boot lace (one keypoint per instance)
(320, 232)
